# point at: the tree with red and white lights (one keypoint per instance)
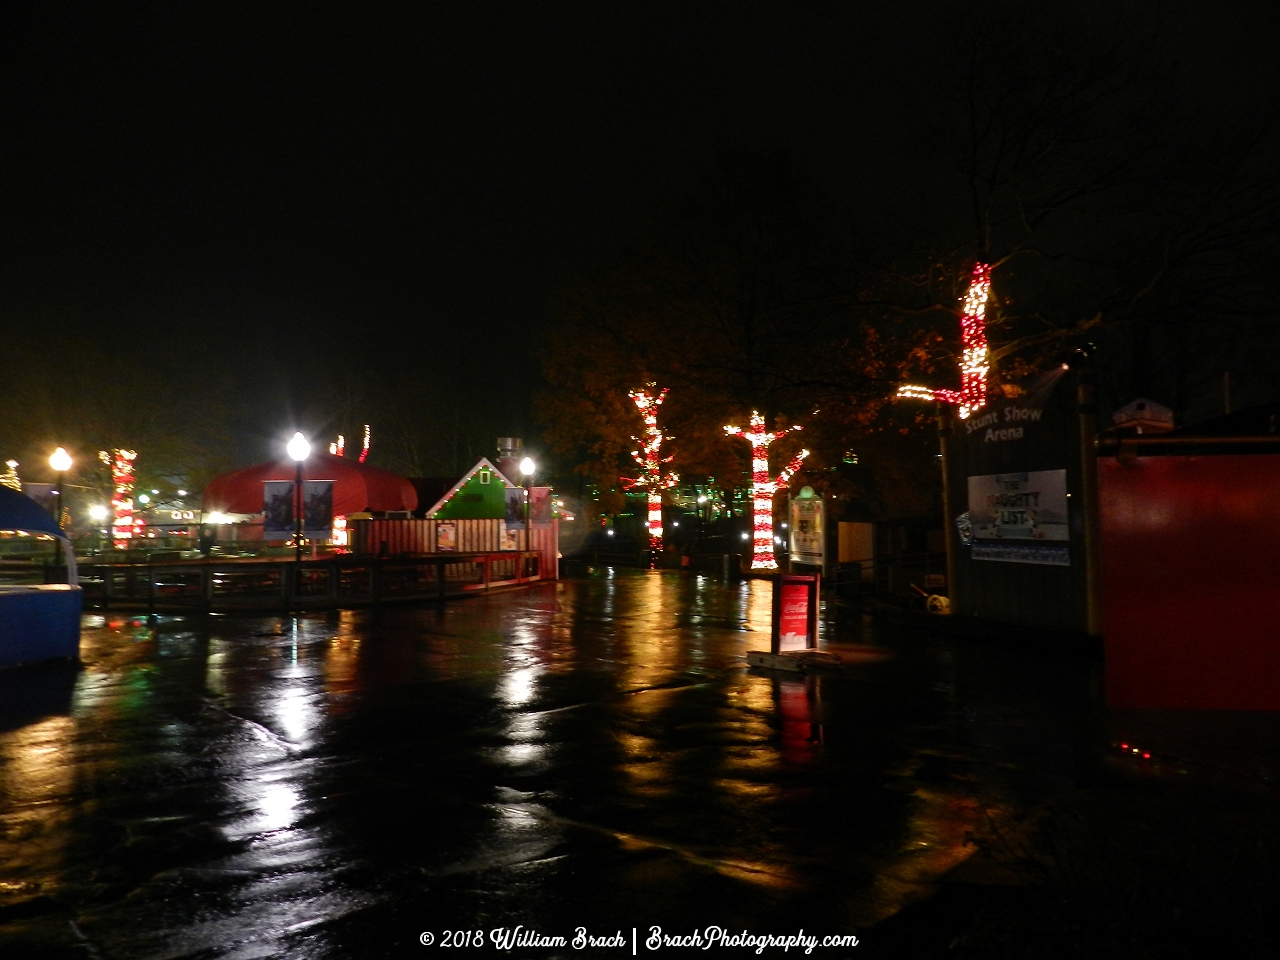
(650, 460)
(126, 526)
(975, 361)
(763, 488)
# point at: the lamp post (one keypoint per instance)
(60, 461)
(299, 450)
(527, 468)
(98, 514)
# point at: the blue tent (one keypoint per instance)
(20, 512)
(37, 621)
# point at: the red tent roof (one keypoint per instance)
(356, 486)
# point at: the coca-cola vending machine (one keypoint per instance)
(795, 612)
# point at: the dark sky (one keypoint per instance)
(256, 182)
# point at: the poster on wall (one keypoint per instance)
(514, 505)
(510, 535)
(540, 504)
(1020, 517)
(277, 509)
(317, 509)
(807, 531)
(446, 536)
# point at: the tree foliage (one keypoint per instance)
(748, 299)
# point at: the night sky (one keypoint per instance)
(272, 189)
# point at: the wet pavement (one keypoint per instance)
(593, 753)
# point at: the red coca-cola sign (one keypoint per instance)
(795, 612)
(793, 621)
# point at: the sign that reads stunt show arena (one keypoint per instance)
(1015, 524)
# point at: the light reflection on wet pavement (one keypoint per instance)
(590, 753)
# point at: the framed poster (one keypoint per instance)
(1020, 517)
(514, 505)
(277, 510)
(1019, 506)
(510, 536)
(447, 536)
(807, 531)
(317, 509)
(540, 504)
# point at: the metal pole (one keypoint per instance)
(946, 433)
(528, 519)
(297, 521)
(57, 517)
(1089, 501)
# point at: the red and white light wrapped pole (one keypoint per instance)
(763, 488)
(650, 460)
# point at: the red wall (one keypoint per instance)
(1191, 581)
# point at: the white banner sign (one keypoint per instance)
(1019, 506)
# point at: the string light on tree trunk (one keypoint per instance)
(763, 488)
(975, 360)
(125, 525)
(650, 460)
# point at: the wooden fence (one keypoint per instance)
(397, 538)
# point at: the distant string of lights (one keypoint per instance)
(338, 448)
(763, 488)
(650, 460)
(975, 359)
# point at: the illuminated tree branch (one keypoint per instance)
(975, 360)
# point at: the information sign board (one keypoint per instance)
(807, 531)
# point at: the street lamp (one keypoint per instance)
(98, 513)
(60, 461)
(527, 468)
(299, 450)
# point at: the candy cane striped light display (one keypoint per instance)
(125, 526)
(762, 488)
(975, 360)
(649, 459)
(338, 448)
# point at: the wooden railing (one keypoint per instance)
(342, 581)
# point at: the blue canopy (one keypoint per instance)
(20, 512)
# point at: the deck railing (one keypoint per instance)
(340, 581)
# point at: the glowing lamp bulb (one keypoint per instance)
(60, 460)
(98, 512)
(527, 466)
(298, 448)
(143, 498)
